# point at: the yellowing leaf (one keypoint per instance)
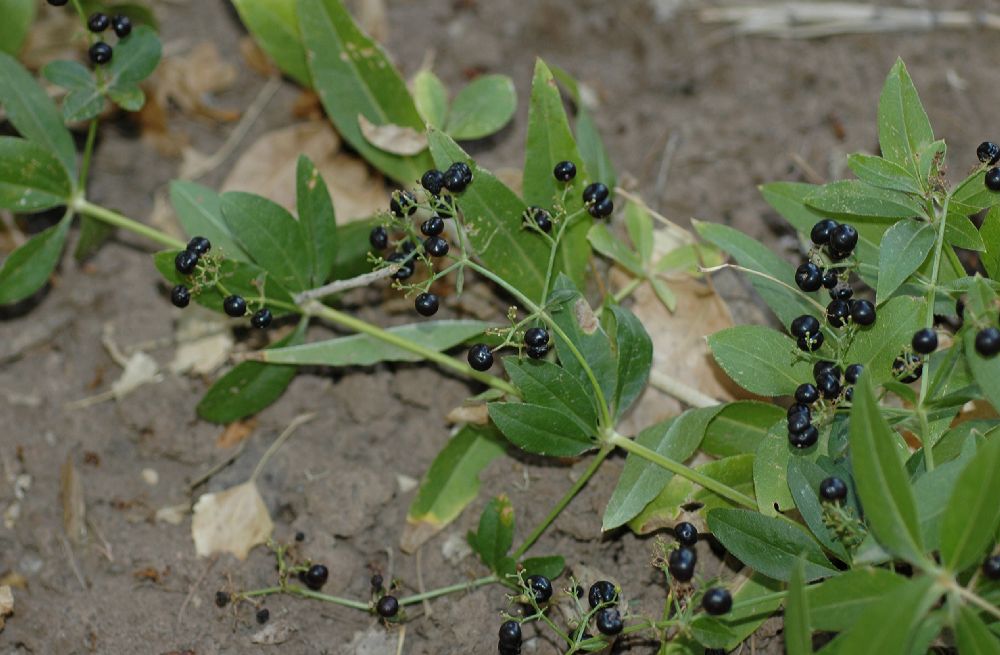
(231, 521)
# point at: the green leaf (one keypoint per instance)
(84, 100)
(711, 632)
(33, 114)
(317, 219)
(903, 128)
(639, 224)
(753, 603)
(640, 481)
(889, 625)
(495, 536)
(249, 387)
(877, 346)
(839, 602)
(883, 173)
(933, 490)
(880, 479)
(274, 25)
(776, 290)
(595, 156)
(577, 321)
(969, 525)
(904, 248)
(553, 387)
(972, 636)
(739, 427)
(242, 278)
(770, 467)
(855, 198)
(18, 16)
(603, 241)
(550, 566)
(351, 256)
(352, 75)
(634, 352)
(663, 293)
(804, 477)
(481, 108)
(31, 178)
(430, 97)
(990, 232)
(135, 59)
(960, 232)
(270, 235)
(972, 196)
(451, 482)
(985, 370)
(759, 359)
(494, 225)
(540, 430)
(199, 210)
(798, 635)
(128, 96)
(28, 268)
(365, 350)
(549, 142)
(768, 545)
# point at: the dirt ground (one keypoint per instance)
(737, 112)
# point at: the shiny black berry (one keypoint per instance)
(221, 598)
(841, 293)
(180, 296)
(406, 268)
(122, 25)
(820, 233)
(824, 366)
(387, 607)
(300, 536)
(810, 343)
(480, 357)
(185, 261)
(199, 245)
(993, 179)
(863, 312)
(833, 489)
(681, 563)
(988, 152)
(536, 337)
(510, 633)
(804, 325)
(925, 341)
(837, 312)
(457, 177)
(433, 226)
(98, 22)
(601, 208)
(539, 217)
(804, 439)
(852, 373)
(609, 621)
(602, 592)
(909, 367)
(538, 352)
(100, 53)
(717, 601)
(686, 533)
(379, 238)
(809, 277)
(261, 318)
(798, 423)
(988, 342)
(806, 394)
(58, 3)
(235, 306)
(315, 577)
(828, 384)
(830, 278)
(402, 203)
(991, 567)
(595, 192)
(564, 171)
(843, 238)
(426, 304)
(263, 614)
(541, 587)
(436, 246)
(798, 408)
(432, 181)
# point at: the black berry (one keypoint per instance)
(601, 592)
(185, 261)
(828, 384)
(852, 373)
(809, 277)
(804, 439)
(315, 577)
(988, 152)
(564, 171)
(98, 22)
(376, 581)
(717, 601)
(100, 53)
(799, 423)
(988, 342)
(235, 306)
(426, 304)
(122, 25)
(686, 533)
(833, 489)
(402, 203)
(849, 394)
(58, 3)
(863, 312)
(300, 536)
(199, 245)
(925, 341)
(595, 192)
(601, 208)
(180, 296)
(541, 587)
(433, 226)
(909, 367)
(820, 233)
(837, 312)
(379, 238)
(261, 318)
(830, 278)
(811, 343)
(806, 394)
(436, 246)
(221, 598)
(841, 293)
(510, 633)
(539, 217)
(387, 607)
(681, 563)
(843, 238)
(804, 325)
(823, 366)
(263, 614)
(406, 268)
(609, 621)
(457, 177)
(432, 181)
(993, 179)
(798, 408)
(991, 567)
(536, 337)
(538, 352)
(480, 357)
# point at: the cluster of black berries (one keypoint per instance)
(681, 563)
(455, 178)
(596, 196)
(989, 154)
(536, 342)
(100, 52)
(831, 384)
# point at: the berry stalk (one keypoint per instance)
(450, 589)
(83, 206)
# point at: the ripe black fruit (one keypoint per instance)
(457, 177)
(379, 238)
(925, 341)
(221, 598)
(681, 563)
(180, 296)
(199, 245)
(402, 202)
(185, 261)
(406, 268)
(541, 587)
(843, 238)
(376, 581)
(235, 306)
(806, 394)
(315, 577)
(122, 25)
(609, 621)
(841, 293)
(540, 217)
(804, 325)
(823, 366)
(58, 3)
(436, 246)
(433, 226)
(908, 364)
(828, 384)
(798, 423)
(100, 53)
(98, 22)
(480, 357)
(510, 633)
(564, 171)
(809, 277)
(833, 489)
(993, 179)
(432, 181)
(601, 208)
(717, 601)
(830, 278)
(387, 607)
(804, 439)
(426, 304)
(536, 337)
(263, 614)
(820, 233)
(686, 533)
(991, 567)
(798, 408)
(852, 373)
(988, 342)
(538, 352)
(261, 318)
(837, 312)
(863, 312)
(988, 152)
(595, 192)
(811, 343)
(601, 592)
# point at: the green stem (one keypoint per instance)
(687, 472)
(434, 593)
(88, 151)
(82, 206)
(563, 502)
(627, 290)
(554, 250)
(336, 600)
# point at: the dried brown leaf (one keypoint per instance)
(231, 521)
(475, 414)
(236, 433)
(187, 81)
(275, 632)
(392, 138)
(256, 59)
(73, 502)
(6, 604)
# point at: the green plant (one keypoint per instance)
(888, 559)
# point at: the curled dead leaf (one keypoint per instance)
(231, 521)
(392, 138)
(275, 632)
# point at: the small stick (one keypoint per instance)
(343, 285)
(682, 392)
(279, 442)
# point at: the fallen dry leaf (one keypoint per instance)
(6, 604)
(73, 502)
(174, 514)
(235, 433)
(393, 138)
(140, 369)
(275, 632)
(14, 579)
(187, 81)
(257, 59)
(231, 521)
(204, 342)
(477, 414)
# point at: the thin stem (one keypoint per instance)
(687, 472)
(688, 395)
(977, 600)
(627, 290)
(563, 502)
(749, 271)
(336, 600)
(443, 591)
(88, 151)
(554, 250)
(343, 285)
(82, 206)
(279, 442)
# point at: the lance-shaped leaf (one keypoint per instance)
(552, 386)
(31, 178)
(317, 220)
(495, 535)
(876, 347)
(583, 331)
(588, 139)
(28, 268)
(540, 430)
(634, 353)
(759, 359)
(274, 25)
(798, 634)
(972, 634)
(903, 128)
(838, 602)
(199, 210)
(482, 107)
(855, 198)
(889, 626)
(904, 248)
(969, 525)
(883, 173)
(740, 427)
(270, 235)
